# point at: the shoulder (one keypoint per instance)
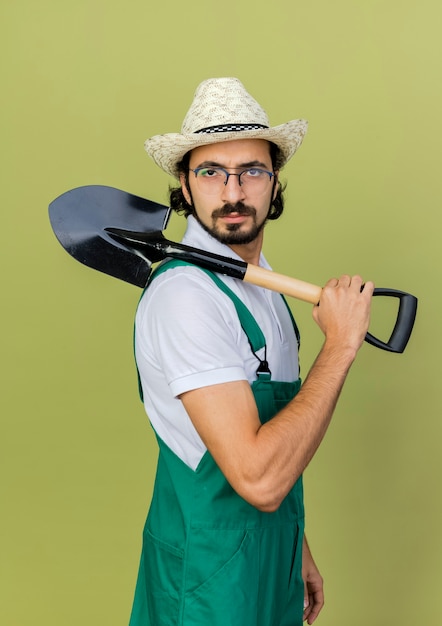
(186, 299)
(179, 286)
(187, 327)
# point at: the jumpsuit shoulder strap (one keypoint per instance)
(248, 323)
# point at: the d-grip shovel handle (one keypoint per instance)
(404, 322)
(312, 293)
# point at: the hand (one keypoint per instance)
(343, 313)
(313, 586)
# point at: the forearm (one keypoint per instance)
(285, 445)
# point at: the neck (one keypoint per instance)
(249, 252)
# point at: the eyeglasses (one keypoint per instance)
(211, 180)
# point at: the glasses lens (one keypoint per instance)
(212, 180)
(255, 179)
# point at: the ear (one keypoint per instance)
(184, 188)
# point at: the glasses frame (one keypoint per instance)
(228, 174)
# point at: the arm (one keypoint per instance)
(262, 462)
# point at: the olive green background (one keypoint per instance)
(82, 85)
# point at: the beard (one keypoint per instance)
(233, 233)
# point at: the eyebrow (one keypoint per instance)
(238, 167)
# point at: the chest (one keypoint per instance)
(271, 314)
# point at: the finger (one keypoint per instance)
(333, 282)
(307, 607)
(345, 280)
(306, 599)
(357, 281)
(368, 287)
(315, 606)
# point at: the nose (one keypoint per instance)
(232, 191)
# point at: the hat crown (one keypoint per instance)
(222, 101)
(222, 110)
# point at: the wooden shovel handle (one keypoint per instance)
(282, 284)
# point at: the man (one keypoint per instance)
(218, 363)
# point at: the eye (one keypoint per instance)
(209, 172)
(254, 172)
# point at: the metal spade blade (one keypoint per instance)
(79, 219)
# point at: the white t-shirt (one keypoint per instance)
(188, 336)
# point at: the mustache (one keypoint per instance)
(238, 208)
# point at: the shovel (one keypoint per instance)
(120, 234)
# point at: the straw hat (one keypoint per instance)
(222, 110)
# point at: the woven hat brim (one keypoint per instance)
(169, 149)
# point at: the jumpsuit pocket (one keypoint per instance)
(226, 597)
(163, 564)
(258, 583)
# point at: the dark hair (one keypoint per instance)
(179, 203)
